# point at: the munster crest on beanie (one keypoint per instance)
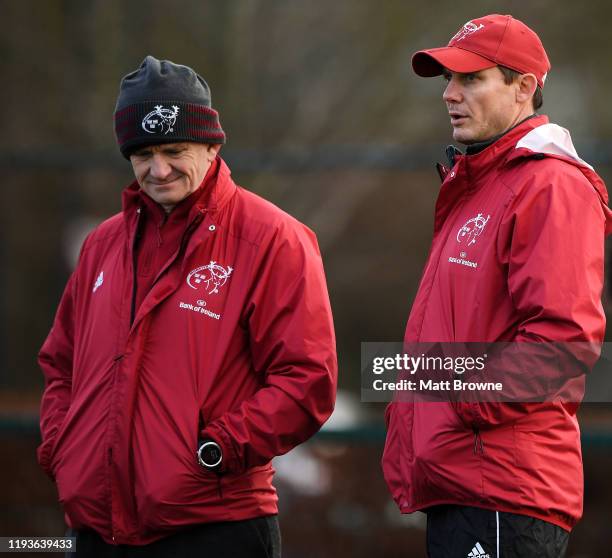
(163, 102)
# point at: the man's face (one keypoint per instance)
(480, 105)
(169, 172)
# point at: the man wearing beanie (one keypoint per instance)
(516, 257)
(193, 343)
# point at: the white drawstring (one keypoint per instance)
(497, 522)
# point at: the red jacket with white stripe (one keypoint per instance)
(532, 272)
(233, 342)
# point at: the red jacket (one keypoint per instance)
(517, 255)
(233, 342)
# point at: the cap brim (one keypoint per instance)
(431, 62)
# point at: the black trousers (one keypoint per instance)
(467, 532)
(252, 538)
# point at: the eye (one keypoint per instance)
(174, 151)
(142, 154)
(446, 76)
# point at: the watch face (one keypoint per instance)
(210, 455)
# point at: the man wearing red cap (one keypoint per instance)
(501, 479)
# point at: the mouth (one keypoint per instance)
(163, 185)
(457, 118)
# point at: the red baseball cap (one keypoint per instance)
(492, 40)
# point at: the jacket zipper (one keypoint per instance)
(194, 223)
(134, 265)
(109, 455)
(219, 486)
(478, 444)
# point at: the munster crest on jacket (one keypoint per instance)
(212, 277)
(472, 229)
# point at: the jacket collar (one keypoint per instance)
(475, 148)
(221, 191)
(495, 155)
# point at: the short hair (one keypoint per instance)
(511, 76)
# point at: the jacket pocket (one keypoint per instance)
(48, 450)
(45, 454)
(398, 452)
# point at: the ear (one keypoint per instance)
(526, 86)
(212, 149)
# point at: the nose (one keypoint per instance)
(452, 93)
(159, 168)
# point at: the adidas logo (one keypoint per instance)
(98, 282)
(478, 552)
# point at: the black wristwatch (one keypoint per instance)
(210, 455)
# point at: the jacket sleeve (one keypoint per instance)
(55, 360)
(292, 343)
(551, 242)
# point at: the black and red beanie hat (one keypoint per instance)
(163, 102)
